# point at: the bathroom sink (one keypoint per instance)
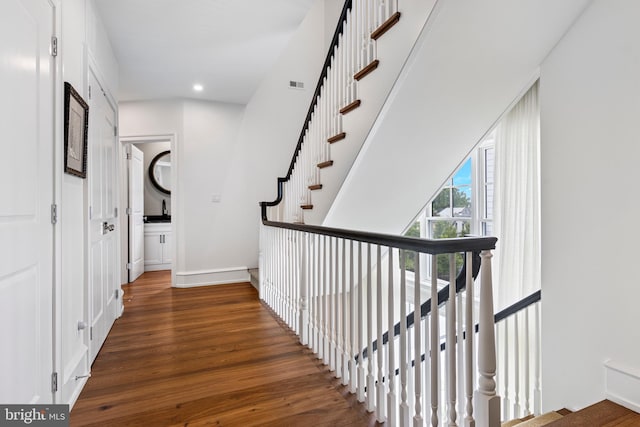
(157, 218)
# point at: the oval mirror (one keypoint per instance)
(160, 172)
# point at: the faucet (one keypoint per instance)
(164, 208)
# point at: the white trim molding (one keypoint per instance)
(622, 384)
(189, 279)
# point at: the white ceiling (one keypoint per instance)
(163, 47)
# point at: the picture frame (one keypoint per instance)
(76, 131)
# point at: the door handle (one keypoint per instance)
(107, 227)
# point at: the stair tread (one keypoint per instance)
(386, 26)
(366, 70)
(325, 164)
(337, 137)
(355, 104)
(516, 421)
(541, 420)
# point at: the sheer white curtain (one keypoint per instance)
(517, 201)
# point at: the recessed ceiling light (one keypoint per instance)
(198, 87)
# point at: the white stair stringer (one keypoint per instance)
(393, 50)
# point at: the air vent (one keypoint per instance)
(296, 85)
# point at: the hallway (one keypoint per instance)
(208, 356)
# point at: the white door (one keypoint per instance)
(26, 195)
(136, 205)
(104, 273)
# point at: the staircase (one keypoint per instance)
(370, 46)
(343, 291)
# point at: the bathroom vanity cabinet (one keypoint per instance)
(157, 246)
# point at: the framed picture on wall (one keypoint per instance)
(76, 127)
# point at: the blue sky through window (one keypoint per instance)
(462, 178)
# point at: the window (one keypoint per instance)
(462, 206)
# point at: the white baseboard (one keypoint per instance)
(189, 279)
(622, 384)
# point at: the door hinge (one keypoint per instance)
(90, 212)
(91, 333)
(89, 91)
(117, 293)
(115, 131)
(54, 214)
(54, 382)
(128, 211)
(115, 212)
(54, 46)
(129, 266)
(128, 156)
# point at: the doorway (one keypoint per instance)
(148, 232)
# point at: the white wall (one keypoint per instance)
(82, 36)
(590, 106)
(233, 152)
(205, 134)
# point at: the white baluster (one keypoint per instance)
(507, 405)
(313, 297)
(404, 406)
(391, 397)
(345, 319)
(470, 333)
(516, 367)
(361, 326)
(537, 395)
(323, 306)
(460, 357)
(451, 342)
(417, 418)
(336, 313)
(304, 291)
(371, 382)
(487, 401)
(354, 316)
(435, 342)
(319, 288)
(380, 392)
(426, 396)
(332, 310)
(527, 368)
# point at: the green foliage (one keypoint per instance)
(444, 230)
(410, 257)
(444, 198)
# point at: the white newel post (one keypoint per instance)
(486, 398)
(303, 292)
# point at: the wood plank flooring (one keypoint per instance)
(602, 414)
(208, 356)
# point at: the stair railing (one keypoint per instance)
(352, 54)
(519, 357)
(517, 343)
(333, 289)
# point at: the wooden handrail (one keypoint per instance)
(427, 246)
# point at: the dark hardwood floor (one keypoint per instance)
(208, 356)
(602, 414)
